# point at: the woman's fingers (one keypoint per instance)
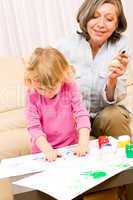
(123, 59)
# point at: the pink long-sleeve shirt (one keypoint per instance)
(58, 119)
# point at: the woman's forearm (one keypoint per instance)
(110, 89)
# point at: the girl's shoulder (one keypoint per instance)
(70, 86)
(69, 92)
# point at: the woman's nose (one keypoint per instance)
(101, 22)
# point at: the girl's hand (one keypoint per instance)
(81, 150)
(118, 66)
(51, 155)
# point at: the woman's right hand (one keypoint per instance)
(118, 66)
(51, 155)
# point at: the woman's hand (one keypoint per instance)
(118, 66)
(81, 150)
(51, 155)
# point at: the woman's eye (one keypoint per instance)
(110, 19)
(95, 16)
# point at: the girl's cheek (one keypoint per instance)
(35, 84)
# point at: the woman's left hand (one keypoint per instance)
(118, 66)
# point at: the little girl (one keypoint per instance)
(56, 116)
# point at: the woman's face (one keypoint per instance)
(103, 24)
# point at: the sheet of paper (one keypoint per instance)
(22, 165)
(36, 162)
(70, 176)
(31, 163)
(67, 181)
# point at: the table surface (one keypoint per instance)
(123, 178)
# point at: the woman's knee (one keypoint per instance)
(113, 120)
(114, 114)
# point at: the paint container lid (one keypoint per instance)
(124, 138)
(103, 141)
(129, 150)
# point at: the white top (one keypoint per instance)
(91, 73)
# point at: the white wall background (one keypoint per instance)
(26, 24)
(128, 8)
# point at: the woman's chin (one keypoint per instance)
(99, 41)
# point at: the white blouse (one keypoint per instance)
(91, 73)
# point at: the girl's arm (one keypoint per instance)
(38, 137)
(81, 116)
(83, 142)
(33, 118)
(43, 144)
(50, 153)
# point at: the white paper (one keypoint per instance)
(22, 165)
(70, 176)
(67, 181)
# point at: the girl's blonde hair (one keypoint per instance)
(49, 67)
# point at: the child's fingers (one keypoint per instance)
(80, 152)
(51, 156)
(59, 155)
